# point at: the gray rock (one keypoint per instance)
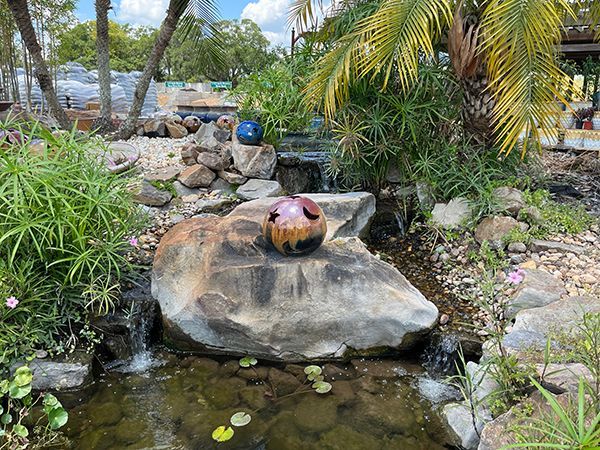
(233, 178)
(531, 215)
(176, 131)
(184, 190)
(394, 175)
(254, 161)
(538, 288)
(151, 196)
(212, 204)
(517, 247)
(509, 199)
(197, 176)
(71, 373)
(219, 184)
(539, 245)
(209, 130)
(425, 195)
(255, 188)
(564, 377)
(460, 420)
(165, 174)
(534, 326)
(484, 386)
(209, 145)
(452, 214)
(494, 229)
(222, 288)
(189, 153)
(155, 128)
(347, 215)
(214, 161)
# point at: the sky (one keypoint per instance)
(270, 15)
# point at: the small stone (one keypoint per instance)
(255, 189)
(176, 131)
(197, 176)
(452, 214)
(233, 178)
(189, 153)
(509, 199)
(517, 247)
(538, 245)
(166, 174)
(213, 161)
(444, 319)
(152, 196)
(190, 198)
(493, 229)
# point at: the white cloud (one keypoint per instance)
(142, 12)
(271, 17)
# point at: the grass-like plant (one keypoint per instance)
(65, 222)
(573, 426)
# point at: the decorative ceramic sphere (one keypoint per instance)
(295, 226)
(249, 133)
(226, 122)
(192, 123)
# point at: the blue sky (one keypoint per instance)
(270, 15)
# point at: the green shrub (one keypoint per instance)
(274, 99)
(65, 222)
(556, 217)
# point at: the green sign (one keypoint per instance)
(221, 84)
(175, 84)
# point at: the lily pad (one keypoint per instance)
(23, 376)
(248, 361)
(313, 370)
(240, 419)
(321, 387)
(57, 418)
(222, 434)
(20, 430)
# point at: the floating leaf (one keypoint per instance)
(322, 387)
(57, 418)
(6, 418)
(248, 361)
(23, 376)
(20, 430)
(312, 371)
(50, 403)
(18, 392)
(240, 419)
(222, 434)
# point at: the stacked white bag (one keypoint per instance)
(75, 87)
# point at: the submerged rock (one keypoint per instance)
(70, 373)
(223, 289)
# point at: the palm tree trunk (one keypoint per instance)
(105, 122)
(478, 107)
(22, 17)
(167, 28)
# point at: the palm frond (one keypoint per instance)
(520, 39)
(200, 22)
(303, 13)
(395, 35)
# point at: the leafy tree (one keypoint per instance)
(128, 46)
(504, 53)
(245, 50)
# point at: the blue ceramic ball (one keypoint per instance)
(249, 133)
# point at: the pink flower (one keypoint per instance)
(12, 302)
(516, 277)
(133, 241)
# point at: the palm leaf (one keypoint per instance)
(521, 38)
(396, 35)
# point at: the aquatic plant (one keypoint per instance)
(17, 428)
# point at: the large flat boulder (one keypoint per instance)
(534, 326)
(223, 289)
(347, 214)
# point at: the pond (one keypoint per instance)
(175, 402)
